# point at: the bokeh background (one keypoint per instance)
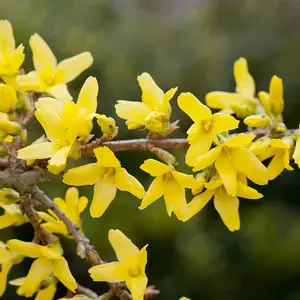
(191, 44)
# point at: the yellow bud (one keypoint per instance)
(8, 98)
(8, 126)
(8, 196)
(241, 110)
(133, 125)
(257, 121)
(157, 122)
(107, 124)
(276, 95)
(264, 100)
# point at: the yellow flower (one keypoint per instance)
(8, 99)
(11, 58)
(12, 216)
(107, 176)
(184, 298)
(49, 260)
(168, 183)
(296, 154)
(153, 113)
(273, 102)
(242, 101)
(73, 206)
(205, 128)
(46, 290)
(280, 149)
(8, 196)
(129, 268)
(227, 206)
(49, 76)
(61, 130)
(8, 258)
(233, 157)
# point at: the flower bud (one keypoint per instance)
(264, 100)
(157, 122)
(257, 121)
(107, 124)
(8, 126)
(276, 95)
(241, 110)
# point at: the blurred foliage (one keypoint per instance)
(191, 44)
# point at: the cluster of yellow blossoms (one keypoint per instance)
(224, 161)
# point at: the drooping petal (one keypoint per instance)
(37, 151)
(223, 122)
(197, 148)
(43, 58)
(276, 166)
(88, 95)
(123, 246)
(70, 68)
(40, 269)
(155, 168)
(126, 182)
(187, 181)
(207, 159)
(155, 191)
(227, 173)
(47, 293)
(7, 40)
(137, 287)
(240, 140)
(198, 203)
(52, 251)
(133, 111)
(83, 175)
(5, 268)
(228, 209)
(62, 272)
(25, 248)
(193, 107)
(286, 160)
(106, 158)
(60, 91)
(223, 100)
(247, 192)
(30, 82)
(110, 272)
(104, 194)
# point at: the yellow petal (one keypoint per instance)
(276, 166)
(257, 121)
(62, 272)
(43, 57)
(278, 143)
(126, 182)
(104, 194)
(47, 293)
(30, 82)
(223, 100)
(8, 98)
(123, 246)
(296, 154)
(155, 168)
(187, 181)
(60, 157)
(88, 95)
(223, 122)
(152, 95)
(197, 148)
(193, 107)
(198, 203)
(7, 220)
(260, 147)
(70, 68)
(40, 269)
(106, 158)
(207, 159)
(18, 281)
(137, 287)
(7, 41)
(227, 173)
(71, 197)
(240, 140)
(264, 100)
(82, 204)
(110, 272)
(245, 84)
(286, 160)
(37, 151)
(228, 209)
(133, 111)
(247, 192)
(5, 268)
(83, 175)
(155, 191)
(25, 248)
(276, 95)
(52, 251)
(59, 91)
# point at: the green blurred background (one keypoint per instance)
(191, 44)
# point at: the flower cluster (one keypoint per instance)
(224, 162)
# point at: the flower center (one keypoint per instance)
(135, 271)
(206, 124)
(109, 172)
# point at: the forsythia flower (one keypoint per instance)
(107, 175)
(242, 101)
(153, 113)
(49, 260)
(280, 149)
(107, 125)
(72, 207)
(11, 58)
(49, 76)
(169, 183)
(12, 216)
(129, 268)
(8, 99)
(227, 206)
(7, 260)
(232, 157)
(43, 292)
(184, 298)
(61, 131)
(8, 196)
(204, 131)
